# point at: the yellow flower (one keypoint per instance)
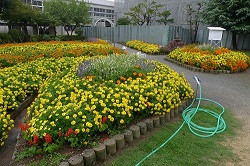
(77, 131)
(121, 121)
(73, 122)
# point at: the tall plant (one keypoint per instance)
(194, 19)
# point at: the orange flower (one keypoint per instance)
(137, 66)
(118, 82)
(122, 78)
(139, 74)
(134, 73)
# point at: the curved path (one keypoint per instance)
(230, 90)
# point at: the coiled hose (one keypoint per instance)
(197, 130)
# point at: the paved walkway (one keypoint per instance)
(230, 90)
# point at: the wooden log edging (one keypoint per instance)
(110, 147)
(197, 69)
(22, 106)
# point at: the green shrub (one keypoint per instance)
(5, 38)
(79, 32)
(39, 38)
(69, 38)
(17, 35)
(36, 38)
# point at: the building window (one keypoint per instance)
(110, 11)
(97, 9)
(37, 3)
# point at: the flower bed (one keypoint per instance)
(23, 79)
(143, 46)
(207, 58)
(74, 106)
(12, 54)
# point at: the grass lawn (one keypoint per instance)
(185, 148)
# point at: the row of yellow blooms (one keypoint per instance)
(71, 107)
(143, 46)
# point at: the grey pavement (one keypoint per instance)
(230, 90)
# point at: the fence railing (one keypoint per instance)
(161, 35)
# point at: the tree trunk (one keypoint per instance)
(25, 31)
(234, 40)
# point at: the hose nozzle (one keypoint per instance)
(197, 80)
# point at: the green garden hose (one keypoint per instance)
(197, 130)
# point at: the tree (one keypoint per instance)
(165, 18)
(144, 13)
(233, 15)
(43, 21)
(4, 4)
(19, 14)
(123, 21)
(69, 14)
(194, 19)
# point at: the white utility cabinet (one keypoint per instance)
(215, 36)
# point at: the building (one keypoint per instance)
(101, 11)
(178, 8)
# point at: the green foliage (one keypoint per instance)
(69, 38)
(79, 32)
(165, 18)
(144, 13)
(233, 15)
(4, 5)
(123, 21)
(17, 35)
(185, 148)
(66, 13)
(5, 38)
(47, 159)
(19, 14)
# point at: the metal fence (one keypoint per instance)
(161, 35)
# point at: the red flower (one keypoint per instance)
(59, 133)
(23, 127)
(105, 138)
(48, 138)
(30, 142)
(70, 131)
(104, 119)
(147, 104)
(36, 139)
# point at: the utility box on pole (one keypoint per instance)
(215, 36)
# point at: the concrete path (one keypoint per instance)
(230, 90)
